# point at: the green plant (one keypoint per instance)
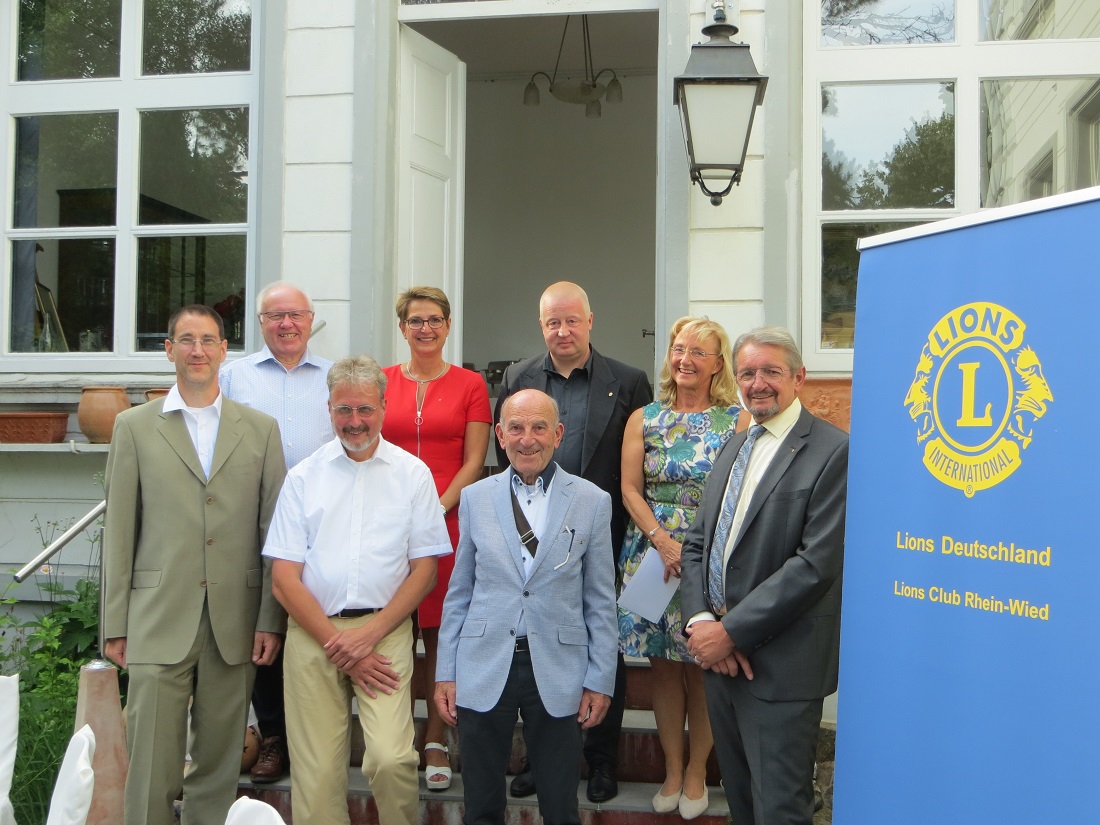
(47, 652)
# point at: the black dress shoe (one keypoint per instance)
(523, 784)
(601, 783)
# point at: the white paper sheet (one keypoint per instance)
(647, 593)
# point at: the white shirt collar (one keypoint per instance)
(174, 401)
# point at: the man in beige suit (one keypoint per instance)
(191, 482)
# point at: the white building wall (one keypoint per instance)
(317, 161)
(726, 243)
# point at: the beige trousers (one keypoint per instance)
(157, 734)
(318, 726)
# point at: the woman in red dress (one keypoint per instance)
(440, 413)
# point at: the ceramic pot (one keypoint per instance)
(97, 411)
(155, 393)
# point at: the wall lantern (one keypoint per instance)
(717, 95)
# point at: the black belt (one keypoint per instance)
(521, 645)
(354, 612)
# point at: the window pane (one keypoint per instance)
(63, 295)
(888, 146)
(194, 166)
(65, 169)
(886, 22)
(62, 39)
(1041, 137)
(192, 269)
(1039, 19)
(839, 263)
(191, 36)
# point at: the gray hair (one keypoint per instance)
(771, 337)
(267, 290)
(356, 370)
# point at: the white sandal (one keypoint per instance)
(433, 770)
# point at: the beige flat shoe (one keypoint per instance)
(666, 804)
(691, 808)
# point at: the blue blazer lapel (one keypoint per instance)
(173, 429)
(502, 501)
(561, 496)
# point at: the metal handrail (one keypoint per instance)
(32, 566)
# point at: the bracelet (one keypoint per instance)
(444, 507)
(654, 530)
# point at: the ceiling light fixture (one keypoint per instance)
(588, 91)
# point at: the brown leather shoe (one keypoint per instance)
(272, 763)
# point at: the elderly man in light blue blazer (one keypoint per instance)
(529, 619)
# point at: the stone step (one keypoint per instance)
(633, 805)
(640, 756)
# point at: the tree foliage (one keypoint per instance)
(918, 173)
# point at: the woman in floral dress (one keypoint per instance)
(668, 451)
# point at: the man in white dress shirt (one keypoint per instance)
(354, 540)
(286, 381)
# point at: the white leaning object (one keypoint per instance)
(9, 738)
(72, 794)
(247, 811)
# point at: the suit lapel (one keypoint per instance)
(230, 433)
(561, 496)
(502, 501)
(792, 444)
(174, 431)
(603, 387)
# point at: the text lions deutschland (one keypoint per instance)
(1010, 553)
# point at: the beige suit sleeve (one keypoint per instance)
(123, 490)
(272, 618)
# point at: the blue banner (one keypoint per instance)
(970, 636)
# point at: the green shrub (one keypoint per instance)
(47, 653)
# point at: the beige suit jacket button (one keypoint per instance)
(209, 499)
(202, 583)
(210, 541)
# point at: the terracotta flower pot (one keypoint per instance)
(97, 411)
(156, 392)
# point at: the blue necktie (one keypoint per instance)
(715, 591)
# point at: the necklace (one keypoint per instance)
(421, 397)
(422, 381)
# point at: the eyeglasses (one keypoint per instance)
(435, 322)
(680, 352)
(295, 315)
(190, 343)
(344, 411)
(767, 373)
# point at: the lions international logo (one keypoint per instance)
(976, 395)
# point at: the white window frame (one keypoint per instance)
(128, 95)
(966, 62)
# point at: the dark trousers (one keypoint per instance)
(267, 699)
(552, 742)
(601, 743)
(765, 752)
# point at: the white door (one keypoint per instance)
(431, 140)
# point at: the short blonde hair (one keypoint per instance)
(723, 384)
(422, 293)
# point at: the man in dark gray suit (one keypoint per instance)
(761, 581)
(595, 396)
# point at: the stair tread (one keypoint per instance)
(633, 797)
